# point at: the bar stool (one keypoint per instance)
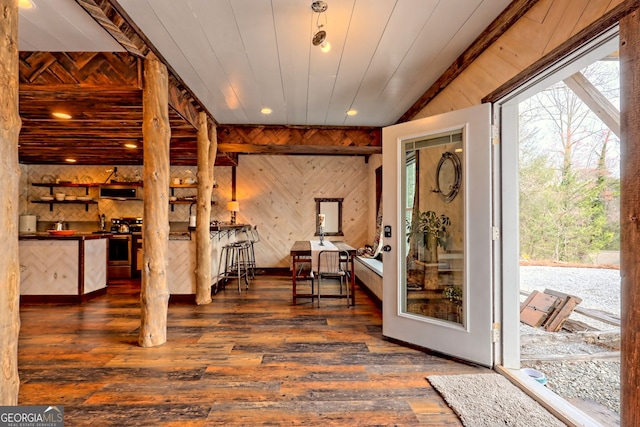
(235, 258)
(252, 238)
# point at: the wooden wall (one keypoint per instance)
(548, 24)
(277, 193)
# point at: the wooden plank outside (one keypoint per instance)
(561, 294)
(532, 317)
(536, 308)
(599, 315)
(560, 315)
(573, 326)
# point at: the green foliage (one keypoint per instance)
(564, 218)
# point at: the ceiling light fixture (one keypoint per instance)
(25, 4)
(61, 115)
(352, 112)
(265, 110)
(70, 160)
(320, 36)
(131, 145)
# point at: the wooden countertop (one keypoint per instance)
(226, 227)
(76, 236)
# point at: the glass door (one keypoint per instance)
(437, 273)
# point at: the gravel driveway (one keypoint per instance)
(587, 381)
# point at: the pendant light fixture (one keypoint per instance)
(320, 36)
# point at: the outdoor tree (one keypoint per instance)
(568, 172)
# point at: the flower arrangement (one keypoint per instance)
(426, 232)
(435, 226)
(453, 293)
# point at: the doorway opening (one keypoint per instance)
(566, 206)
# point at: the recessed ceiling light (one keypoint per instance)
(70, 160)
(266, 110)
(352, 112)
(60, 115)
(458, 150)
(25, 4)
(131, 145)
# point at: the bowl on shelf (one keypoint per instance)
(46, 198)
(70, 198)
(60, 196)
(173, 198)
(85, 198)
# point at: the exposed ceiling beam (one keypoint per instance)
(289, 137)
(105, 22)
(595, 100)
(300, 149)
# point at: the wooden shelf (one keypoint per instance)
(183, 202)
(187, 186)
(66, 202)
(64, 184)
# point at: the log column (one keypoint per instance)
(156, 132)
(206, 159)
(9, 195)
(630, 218)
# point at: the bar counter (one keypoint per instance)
(75, 236)
(62, 268)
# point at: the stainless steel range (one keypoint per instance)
(120, 262)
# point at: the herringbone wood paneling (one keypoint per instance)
(277, 193)
(182, 265)
(49, 265)
(80, 68)
(95, 271)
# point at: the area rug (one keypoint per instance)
(487, 400)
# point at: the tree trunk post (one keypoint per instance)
(206, 159)
(156, 131)
(9, 194)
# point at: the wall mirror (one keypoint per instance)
(448, 176)
(332, 210)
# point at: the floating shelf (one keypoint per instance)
(66, 202)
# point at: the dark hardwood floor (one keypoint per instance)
(246, 359)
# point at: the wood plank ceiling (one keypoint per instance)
(102, 91)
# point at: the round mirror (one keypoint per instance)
(448, 176)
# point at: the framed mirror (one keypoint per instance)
(448, 175)
(332, 210)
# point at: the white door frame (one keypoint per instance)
(506, 119)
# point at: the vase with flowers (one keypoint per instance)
(432, 232)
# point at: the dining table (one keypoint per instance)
(301, 252)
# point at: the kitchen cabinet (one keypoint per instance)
(62, 269)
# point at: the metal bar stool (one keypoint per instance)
(252, 238)
(234, 257)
